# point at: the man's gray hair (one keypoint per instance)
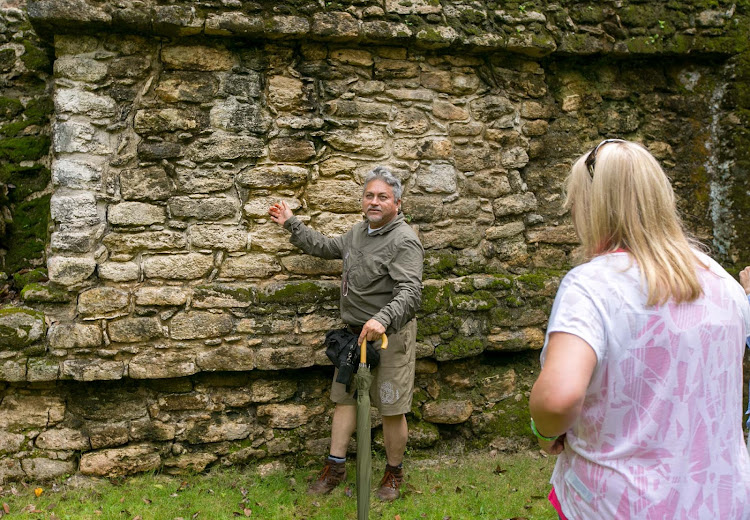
(385, 175)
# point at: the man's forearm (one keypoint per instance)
(312, 242)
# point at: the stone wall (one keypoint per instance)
(179, 328)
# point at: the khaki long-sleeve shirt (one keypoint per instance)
(382, 272)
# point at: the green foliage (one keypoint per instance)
(35, 58)
(460, 487)
(26, 148)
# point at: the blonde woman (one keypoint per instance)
(640, 392)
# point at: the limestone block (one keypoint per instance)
(158, 150)
(233, 115)
(504, 231)
(498, 387)
(358, 57)
(13, 371)
(70, 270)
(271, 238)
(11, 442)
(527, 338)
(189, 87)
(458, 235)
(219, 429)
(67, 335)
(149, 183)
(107, 434)
(181, 402)
(135, 214)
(448, 111)
(422, 435)
(92, 369)
(463, 83)
(284, 416)
(162, 365)
(118, 462)
(215, 236)
(337, 165)
(160, 296)
(553, 235)
(189, 463)
(134, 329)
(413, 7)
(249, 267)
(271, 391)
(44, 469)
(514, 204)
(285, 93)
(245, 86)
(196, 57)
(71, 241)
(187, 266)
(206, 208)
(305, 122)
(31, 411)
(369, 140)
(491, 108)
(309, 265)
(380, 30)
(155, 121)
(337, 196)
(514, 158)
(489, 184)
(447, 411)
(424, 208)
(119, 271)
(437, 178)
(78, 137)
(204, 178)
(74, 101)
(78, 209)
(335, 26)
(10, 469)
(220, 296)
(20, 327)
(76, 174)
(427, 148)
(332, 224)
(234, 22)
(41, 369)
(318, 323)
(102, 301)
(228, 397)
(222, 146)
(277, 176)
(79, 68)
(257, 207)
(359, 109)
(536, 110)
(465, 129)
(287, 149)
(62, 439)
(284, 358)
(200, 324)
(129, 243)
(388, 69)
(227, 357)
(294, 26)
(411, 121)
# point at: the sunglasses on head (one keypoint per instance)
(591, 159)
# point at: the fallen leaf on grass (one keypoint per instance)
(137, 517)
(146, 500)
(397, 517)
(38, 492)
(458, 489)
(195, 515)
(348, 491)
(247, 512)
(499, 470)
(31, 508)
(6, 508)
(446, 517)
(51, 506)
(411, 489)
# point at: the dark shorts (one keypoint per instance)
(393, 379)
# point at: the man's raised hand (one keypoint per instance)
(280, 212)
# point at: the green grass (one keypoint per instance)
(474, 486)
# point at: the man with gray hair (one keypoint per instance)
(381, 290)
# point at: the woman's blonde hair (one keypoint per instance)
(620, 198)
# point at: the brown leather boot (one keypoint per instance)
(391, 483)
(332, 474)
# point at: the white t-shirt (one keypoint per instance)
(660, 434)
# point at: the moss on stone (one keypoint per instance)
(434, 324)
(439, 264)
(26, 179)
(240, 294)
(38, 293)
(10, 108)
(296, 293)
(25, 148)
(33, 276)
(477, 301)
(534, 281)
(27, 234)
(460, 347)
(435, 298)
(35, 58)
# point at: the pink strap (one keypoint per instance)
(556, 504)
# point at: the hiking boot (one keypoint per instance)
(389, 486)
(332, 474)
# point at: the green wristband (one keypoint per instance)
(536, 432)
